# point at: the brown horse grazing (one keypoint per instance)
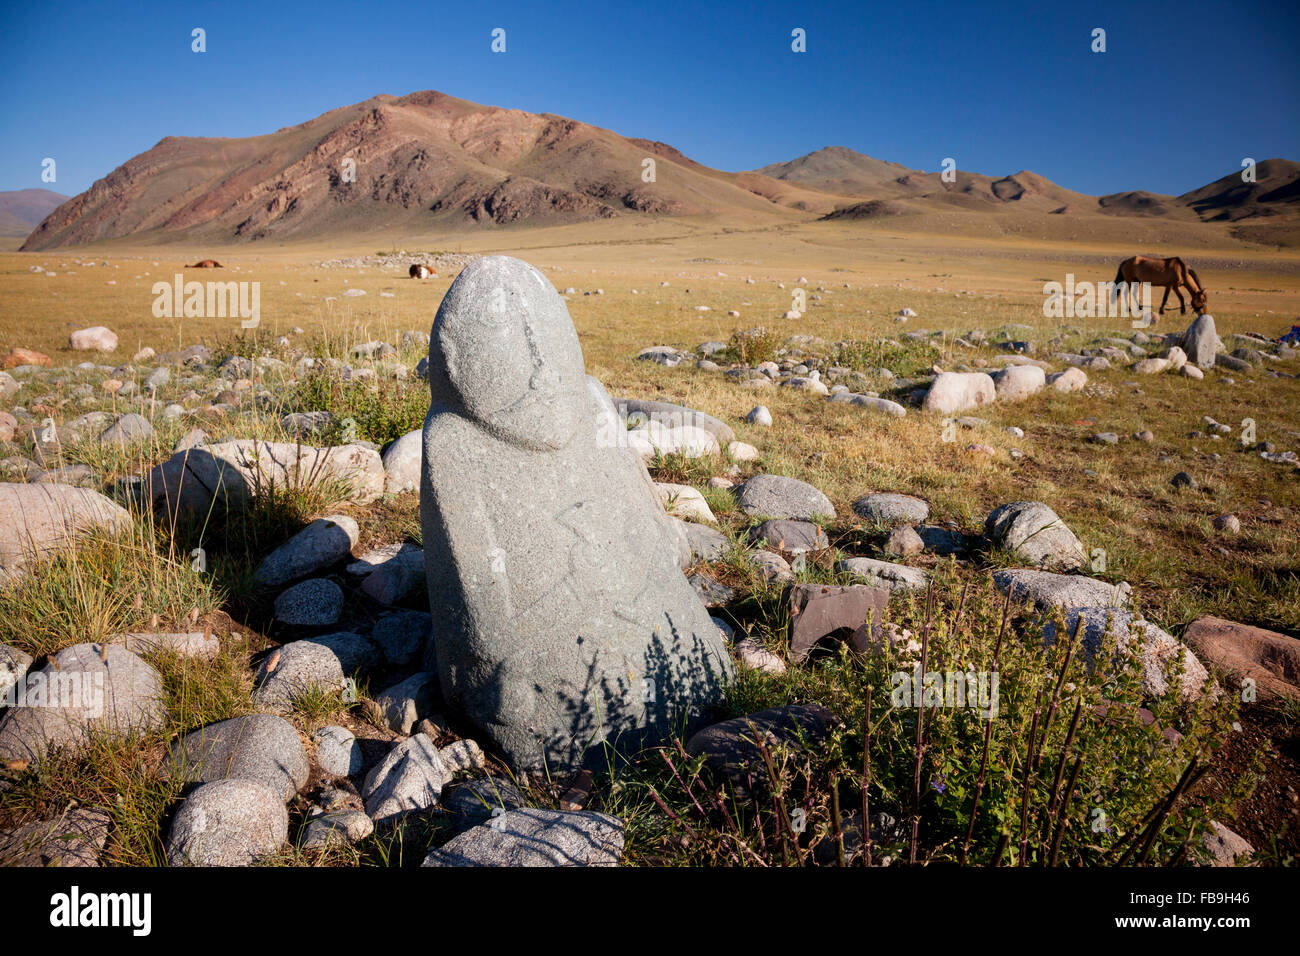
(206, 264)
(422, 272)
(1171, 273)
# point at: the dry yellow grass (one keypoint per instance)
(1159, 539)
(886, 269)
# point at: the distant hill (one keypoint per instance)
(421, 161)
(22, 209)
(1276, 191)
(839, 170)
(428, 162)
(879, 185)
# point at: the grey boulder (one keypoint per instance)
(74, 838)
(887, 508)
(1033, 532)
(99, 689)
(882, 405)
(396, 578)
(157, 379)
(775, 496)
(130, 427)
(259, 747)
(791, 536)
(402, 463)
(896, 577)
(316, 663)
(227, 475)
(341, 826)
(338, 753)
(403, 705)
(228, 823)
(1201, 342)
(534, 837)
(671, 416)
(730, 750)
(707, 544)
(322, 543)
(1018, 382)
(1154, 651)
(476, 801)
(202, 646)
(1048, 590)
(308, 424)
(310, 603)
(409, 779)
(959, 391)
(41, 519)
(904, 541)
(1223, 847)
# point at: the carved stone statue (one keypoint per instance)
(562, 622)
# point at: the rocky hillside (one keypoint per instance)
(417, 161)
(1275, 192)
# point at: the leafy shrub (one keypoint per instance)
(1069, 772)
(754, 346)
(249, 344)
(907, 359)
(381, 409)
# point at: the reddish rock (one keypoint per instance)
(16, 357)
(1272, 660)
(579, 792)
(818, 610)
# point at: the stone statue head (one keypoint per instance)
(504, 354)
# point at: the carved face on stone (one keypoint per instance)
(510, 354)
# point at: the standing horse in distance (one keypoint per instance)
(1172, 273)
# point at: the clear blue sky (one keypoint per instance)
(1177, 100)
